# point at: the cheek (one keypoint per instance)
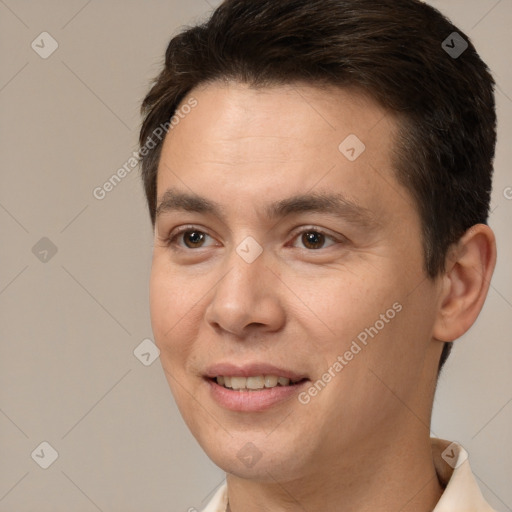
(345, 304)
(170, 308)
(371, 305)
(161, 298)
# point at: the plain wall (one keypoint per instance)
(69, 325)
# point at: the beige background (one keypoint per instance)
(69, 325)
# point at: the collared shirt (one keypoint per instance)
(461, 493)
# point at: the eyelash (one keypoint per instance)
(170, 241)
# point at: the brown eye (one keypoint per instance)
(189, 238)
(193, 239)
(313, 239)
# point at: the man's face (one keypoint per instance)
(276, 282)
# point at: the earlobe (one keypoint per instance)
(469, 268)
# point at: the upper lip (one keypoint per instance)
(251, 370)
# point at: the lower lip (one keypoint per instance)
(252, 401)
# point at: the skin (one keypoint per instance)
(362, 443)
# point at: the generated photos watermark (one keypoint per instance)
(356, 347)
(158, 135)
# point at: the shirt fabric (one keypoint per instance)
(461, 493)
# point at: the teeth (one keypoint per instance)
(252, 383)
(238, 382)
(271, 381)
(255, 382)
(283, 381)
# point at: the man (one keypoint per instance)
(319, 206)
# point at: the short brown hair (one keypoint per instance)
(396, 51)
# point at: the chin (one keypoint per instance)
(256, 456)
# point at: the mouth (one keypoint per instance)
(255, 383)
(253, 387)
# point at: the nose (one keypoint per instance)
(246, 301)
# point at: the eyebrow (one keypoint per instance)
(318, 202)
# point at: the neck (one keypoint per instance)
(390, 477)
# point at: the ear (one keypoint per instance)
(465, 283)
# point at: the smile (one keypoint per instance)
(254, 383)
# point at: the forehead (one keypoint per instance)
(288, 114)
(243, 143)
